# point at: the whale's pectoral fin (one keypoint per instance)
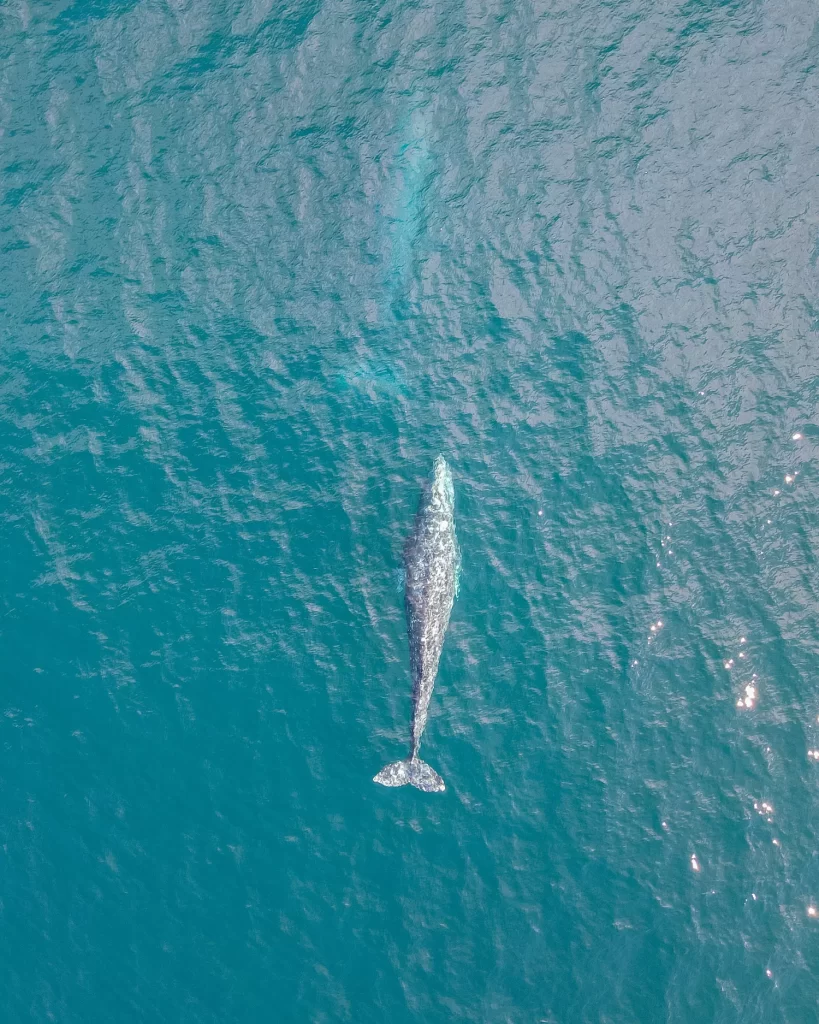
(412, 772)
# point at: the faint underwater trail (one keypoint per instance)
(413, 176)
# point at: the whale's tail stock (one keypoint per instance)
(411, 772)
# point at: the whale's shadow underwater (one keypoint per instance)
(415, 175)
(372, 371)
(431, 564)
(375, 378)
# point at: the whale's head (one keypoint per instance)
(443, 492)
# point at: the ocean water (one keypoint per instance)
(261, 263)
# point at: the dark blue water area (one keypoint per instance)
(261, 264)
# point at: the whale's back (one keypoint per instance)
(430, 565)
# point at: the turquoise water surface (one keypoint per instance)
(261, 263)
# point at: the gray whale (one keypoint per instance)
(431, 562)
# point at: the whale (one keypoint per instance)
(376, 379)
(431, 566)
(413, 177)
(415, 162)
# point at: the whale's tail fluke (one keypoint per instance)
(413, 772)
